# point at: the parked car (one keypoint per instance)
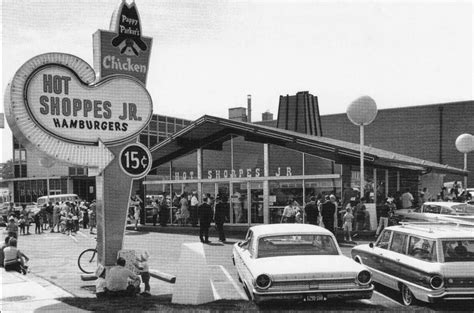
(423, 261)
(440, 211)
(297, 262)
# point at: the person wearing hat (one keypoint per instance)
(387, 208)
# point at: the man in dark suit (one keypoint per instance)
(328, 209)
(312, 211)
(205, 216)
(219, 217)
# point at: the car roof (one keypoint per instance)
(278, 229)
(435, 230)
(444, 203)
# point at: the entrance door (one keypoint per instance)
(256, 202)
(238, 202)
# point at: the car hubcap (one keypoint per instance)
(407, 296)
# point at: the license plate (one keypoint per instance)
(314, 297)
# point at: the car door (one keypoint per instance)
(393, 256)
(376, 259)
(244, 258)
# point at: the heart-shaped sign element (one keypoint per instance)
(113, 110)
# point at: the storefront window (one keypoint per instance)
(280, 193)
(238, 201)
(185, 168)
(216, 164)
(247, 158)
(284, 162)
(318, 166)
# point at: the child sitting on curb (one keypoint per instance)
(144, 272)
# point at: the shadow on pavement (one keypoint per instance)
(159, 303)
(136, 233)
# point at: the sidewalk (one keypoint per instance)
(237, 231)
(28, 293)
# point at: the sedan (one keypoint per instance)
(440, 212)
(298, 262)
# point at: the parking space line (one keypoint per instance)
(73, 238)
(387, 297)
(242, 294)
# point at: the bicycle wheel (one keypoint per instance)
(87, 261)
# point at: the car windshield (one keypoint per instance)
(458, 250)
(292, 245)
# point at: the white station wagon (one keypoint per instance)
(424, 261)
(298, 262)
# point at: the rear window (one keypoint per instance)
(292, 245)
(458, 250)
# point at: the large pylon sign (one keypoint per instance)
(52, 105)
(56, 104)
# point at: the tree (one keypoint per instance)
(8, 170)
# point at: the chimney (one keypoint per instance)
(300, 113)
(249, 108)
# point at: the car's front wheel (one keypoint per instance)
(407, 296)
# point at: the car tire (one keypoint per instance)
(407, 296)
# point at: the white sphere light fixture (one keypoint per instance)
(465, 143)
(362, 111)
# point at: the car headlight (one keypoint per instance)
(364, 277)
(263, 281)
(436, 282)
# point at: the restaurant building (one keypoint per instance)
(258, 168)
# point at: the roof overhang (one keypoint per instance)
(209, 132)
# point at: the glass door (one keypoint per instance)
(256, 202)
(238, 201)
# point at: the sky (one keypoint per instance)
(207, 56)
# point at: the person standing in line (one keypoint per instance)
(312, 211)
(164, 211)
(360, 216)
(384, 215)
(347, 223)
(219, 217)
(236, 201)
(38, 223)
(205, 217)
(92, 216)
(407, 199)
(154, 212)
(194, 208)
(27, 221)
(184, 208)
(329, 210)
(56, 210)
(289, 213)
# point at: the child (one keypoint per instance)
(347, 226)
(69, 224)
(144, 272)
(22, 223)
(100, 283)
(37, 223)
(62, 222)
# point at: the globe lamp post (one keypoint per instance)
(47, 163)
(465, 144)
(362, 111)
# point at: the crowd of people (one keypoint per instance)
(63, 217)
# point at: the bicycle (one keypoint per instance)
(87, 261)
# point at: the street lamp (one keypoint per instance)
(362, 111)
(465, 144)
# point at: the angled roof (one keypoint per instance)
(209, 132)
